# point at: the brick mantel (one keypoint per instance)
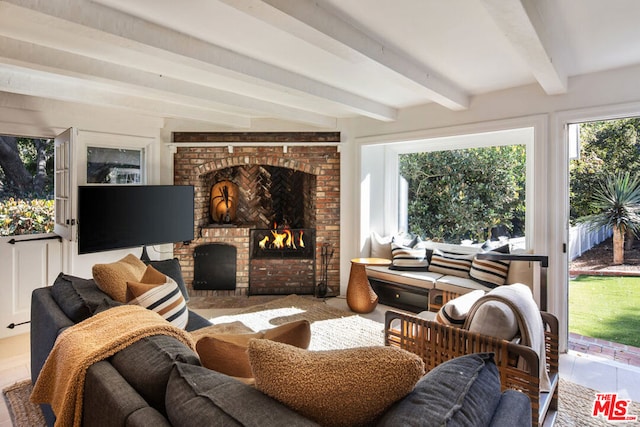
(194, 164)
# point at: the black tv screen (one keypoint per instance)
(116, 217)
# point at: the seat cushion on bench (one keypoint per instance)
(458, 285)
(419, 279)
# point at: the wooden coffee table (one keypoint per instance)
(360, 296)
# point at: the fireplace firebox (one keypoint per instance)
(283, 243)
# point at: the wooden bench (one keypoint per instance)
(436, 343)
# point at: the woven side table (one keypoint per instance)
(360, 296)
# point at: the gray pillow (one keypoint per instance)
(197, 397)
(79, 298)
(464, 391)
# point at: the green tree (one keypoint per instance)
(617, 204)
(606, 147)
(26, 166)
(465, 194)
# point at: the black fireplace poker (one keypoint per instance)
(325, 258)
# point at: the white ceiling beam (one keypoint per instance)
(146, 84)
(123, 34)
(30, 82)
(533, 31)
(320, 22)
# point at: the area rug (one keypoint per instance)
(23, 413)
(575, 407)
(331, 328)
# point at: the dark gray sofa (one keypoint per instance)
(158, 381)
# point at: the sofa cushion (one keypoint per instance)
(335, 387)
(172, 268)
(78, 298)
(227, 352)
(490, 273)
(147, 363)
(406, 258)
(464, 391)
(199, 397)
(112, 278)
(450, 263)
(495, 319)
(455, 311)
(160, 293)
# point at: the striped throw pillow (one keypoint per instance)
(451, 263)
(406, 258)
(490, 273)
(454, 312)
(161, 294)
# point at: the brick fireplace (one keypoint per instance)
(293, 186)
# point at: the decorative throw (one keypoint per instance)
(160, 293)
(61, 380)
(520, 299)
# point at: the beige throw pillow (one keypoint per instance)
(335, 387)
(112, 278)
(227, 352)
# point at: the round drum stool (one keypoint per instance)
(360, 296)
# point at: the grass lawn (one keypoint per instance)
(606, 308)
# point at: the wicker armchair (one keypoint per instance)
(437, 343)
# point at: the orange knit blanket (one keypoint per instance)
(61, 380)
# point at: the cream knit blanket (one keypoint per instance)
(61, 380)
(520, 299)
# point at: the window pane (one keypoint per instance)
(113, 166)
(472, 194)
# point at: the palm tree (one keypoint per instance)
(617, 203)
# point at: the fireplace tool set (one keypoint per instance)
(325, 258)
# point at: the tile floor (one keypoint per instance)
(590, 370)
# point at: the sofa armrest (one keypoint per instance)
(47, 321)
(110, 401)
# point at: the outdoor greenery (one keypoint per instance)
(466, 194)
(616, 202)
(606, 308)
(26, 185)
(606, 148)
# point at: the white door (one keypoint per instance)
(65, 182)
(25, 265)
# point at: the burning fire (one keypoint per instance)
(281, 240)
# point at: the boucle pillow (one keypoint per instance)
(451, 263)
(160, 293)
(454, 312)
(406, 258)
(495, 319)
(236, 327)
(227, 352)
(112, 278)
(490, 273)
(464, 391)
(335, 387)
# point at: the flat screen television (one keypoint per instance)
(126, 216)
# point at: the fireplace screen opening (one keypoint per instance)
(283, 243)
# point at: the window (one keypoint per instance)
(484, 182)
(473, 194)
(26, 185)
(114, 166)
